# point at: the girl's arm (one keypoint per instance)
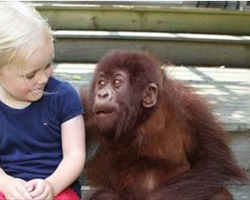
(73, 145)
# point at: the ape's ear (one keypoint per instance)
(150, 95)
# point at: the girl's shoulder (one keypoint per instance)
(58, 86)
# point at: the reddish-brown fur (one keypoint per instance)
(174, 151)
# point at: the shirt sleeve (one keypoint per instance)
(69, 102)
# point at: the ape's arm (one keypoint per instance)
(212, 165)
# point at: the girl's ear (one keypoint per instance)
(150, 95)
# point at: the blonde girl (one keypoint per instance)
(42, 135)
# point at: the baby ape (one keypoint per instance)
(157, 140)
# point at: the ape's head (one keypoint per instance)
(124, 92)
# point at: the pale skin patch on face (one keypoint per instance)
(150, 181)
(23, 83)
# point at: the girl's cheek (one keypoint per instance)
(26, 86)
(25, 90)
(50, 72)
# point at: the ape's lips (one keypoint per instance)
(103, 111)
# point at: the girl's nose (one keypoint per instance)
(43, 77)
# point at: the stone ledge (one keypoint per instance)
(155, 18)
(178, 48)
(151, 36)
(240, 192)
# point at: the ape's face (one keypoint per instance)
(111, 93)
(123, 94)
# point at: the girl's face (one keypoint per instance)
(24, 84)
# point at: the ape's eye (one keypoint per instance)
(101, 83)
(117, 83)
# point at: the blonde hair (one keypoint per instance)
(21, 28)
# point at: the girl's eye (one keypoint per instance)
(117, 83)
(48, 66)
(30, 76)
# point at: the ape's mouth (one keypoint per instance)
(103, 112)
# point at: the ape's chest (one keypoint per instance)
(136, 173)
(128, 173)
(136, 180)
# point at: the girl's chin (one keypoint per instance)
(36, 95)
